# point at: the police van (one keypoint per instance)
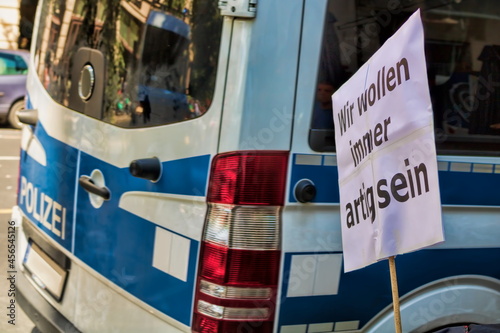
(178, 169)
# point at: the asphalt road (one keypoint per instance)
(9, 168)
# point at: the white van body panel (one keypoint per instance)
(134, 257)
(259, 99)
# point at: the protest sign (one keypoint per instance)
(389, 192)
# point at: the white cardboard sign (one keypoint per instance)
(389, 191)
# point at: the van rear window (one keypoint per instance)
(159, 58)
(463, 66)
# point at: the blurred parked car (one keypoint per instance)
(13, 70)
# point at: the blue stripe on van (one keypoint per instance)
(414, 270)
(324, 176)
(469, 188)
(457, 187)
(187, 176)
(56, 180)
(117, 244)
(121, 249)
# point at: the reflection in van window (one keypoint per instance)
(160, 58)
(463, 64)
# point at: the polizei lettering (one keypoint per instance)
(43, 208)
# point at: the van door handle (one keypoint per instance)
(88, 185)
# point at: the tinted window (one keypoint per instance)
(155, 62)
(463, 63)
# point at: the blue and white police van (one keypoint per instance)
(178, 169)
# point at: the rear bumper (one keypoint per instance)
(43, 315)
(90, 303)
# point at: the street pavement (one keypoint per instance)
(9, 169)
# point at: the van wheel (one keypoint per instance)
(13, 119)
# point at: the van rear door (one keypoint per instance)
(140, 119)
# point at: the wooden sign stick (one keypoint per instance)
(395, 295)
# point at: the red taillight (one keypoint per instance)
(230, 266)
(240, 249)
(248, 178)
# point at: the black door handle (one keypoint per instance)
(88, 185)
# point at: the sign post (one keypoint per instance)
(395, 295)
(386, 156)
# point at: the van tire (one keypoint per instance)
(12, 117)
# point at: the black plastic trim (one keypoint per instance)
(305, 191)
(322, 140)
(146, 168)
(55, 254)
